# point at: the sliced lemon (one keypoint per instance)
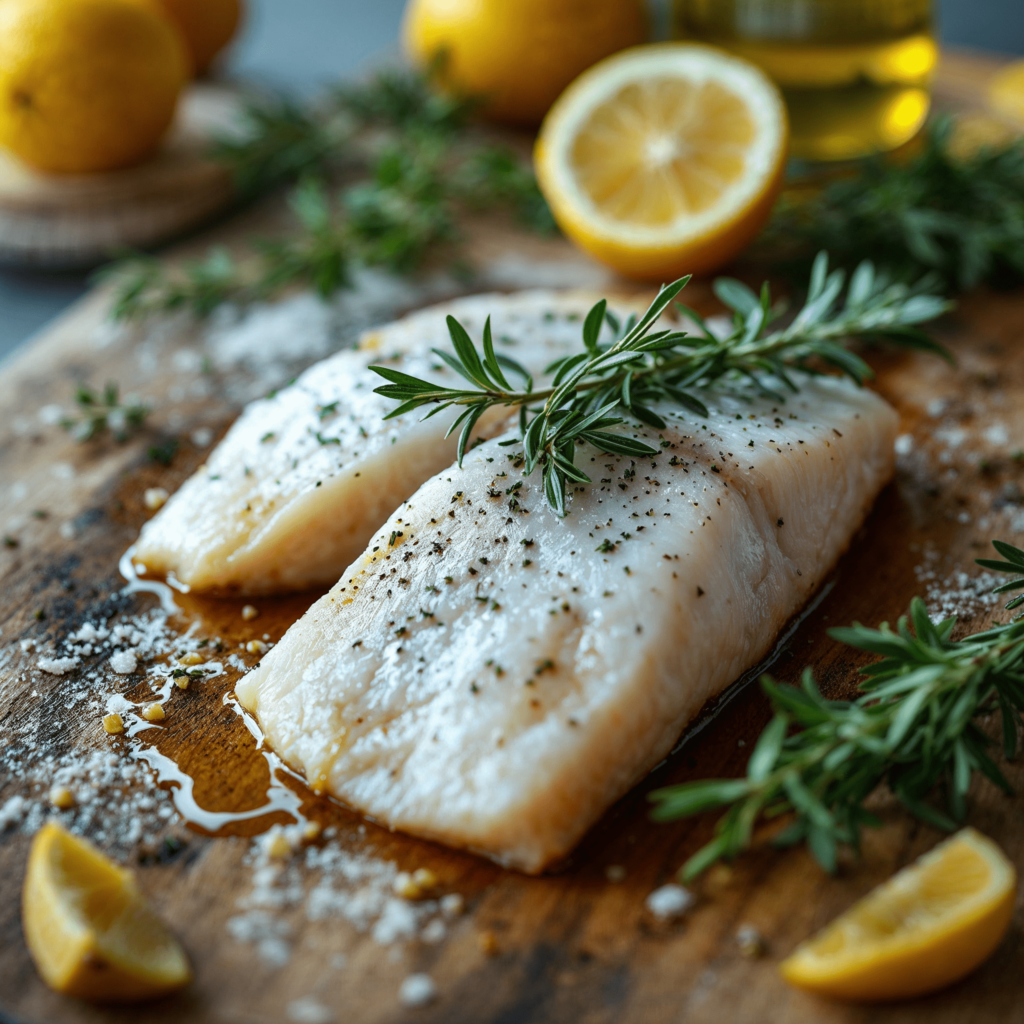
(930, 924)
(664, 160)
(88, 928)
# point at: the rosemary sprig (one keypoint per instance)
(914, 727)
(104, 410)
(601, 384)
(416, 164)
(961, 217)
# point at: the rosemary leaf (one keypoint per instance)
(411, 164)
(959, 217)
(609, 384)
(914, 728)
(99, 411)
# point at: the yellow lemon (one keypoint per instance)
(930, 924)
(518, 55)
(664, 160)
(86, 85)
(88, 928)
(207, 25)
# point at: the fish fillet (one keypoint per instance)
(302, 480)
(493, 677)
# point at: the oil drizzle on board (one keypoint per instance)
(283, 796)
(286, 796)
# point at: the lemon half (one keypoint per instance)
(664, 160)
(88, 928)
(930, 924)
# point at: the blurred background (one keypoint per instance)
(301, 45)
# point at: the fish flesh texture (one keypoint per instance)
(302, 480)
(493, 677)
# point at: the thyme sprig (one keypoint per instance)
(99, 411)
(384, 172)
(647, 364)
(914, 727)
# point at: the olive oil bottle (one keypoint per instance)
(855, 73)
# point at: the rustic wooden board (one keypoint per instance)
(53, 220)
(566, 947)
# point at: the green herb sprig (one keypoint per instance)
(914, 728)
(384, 171)
(960, 217)
(99, 411)
(597, 387)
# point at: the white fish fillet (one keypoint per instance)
(302, 480)
(498, 677)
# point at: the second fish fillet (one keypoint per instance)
(304, 477)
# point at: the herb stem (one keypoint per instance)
(645, 365)
(914, 726)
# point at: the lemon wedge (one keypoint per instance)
(930, 924)
(88, 928)
(664, 160)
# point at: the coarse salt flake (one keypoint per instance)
(417, 990)
(670, 902)
(57, 666)
(308, 1011)
(124, 662)
(155, 498)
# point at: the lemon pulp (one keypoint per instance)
(88, 928)
(930, 924)
(664, 159)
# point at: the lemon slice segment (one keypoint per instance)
(88, 928)
(664, 159)
(930, 924)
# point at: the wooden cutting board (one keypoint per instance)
(79, 220)
(569, 947)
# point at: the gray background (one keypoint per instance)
(303, 44)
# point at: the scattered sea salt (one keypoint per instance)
(452, 905)
(309, 1011)
(417, 990)
(904, 444)
(58, 666)
(670, 902)
(12, 811)
(51, 415)
(434, 932)
(124, 662)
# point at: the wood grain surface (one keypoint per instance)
(568, 947)
(75, 220)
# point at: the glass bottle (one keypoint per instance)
(855, 73)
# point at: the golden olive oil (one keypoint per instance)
(855, 73)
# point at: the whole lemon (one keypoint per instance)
(207, 25)
(518, 55)
(86, 85)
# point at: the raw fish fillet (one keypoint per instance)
(302, 480)
(493, 677)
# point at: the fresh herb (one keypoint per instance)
(914, 727)
(596, 387)
(278, 140)
(410, 162)
(103, 410)
(961, 217)
(164, 452)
